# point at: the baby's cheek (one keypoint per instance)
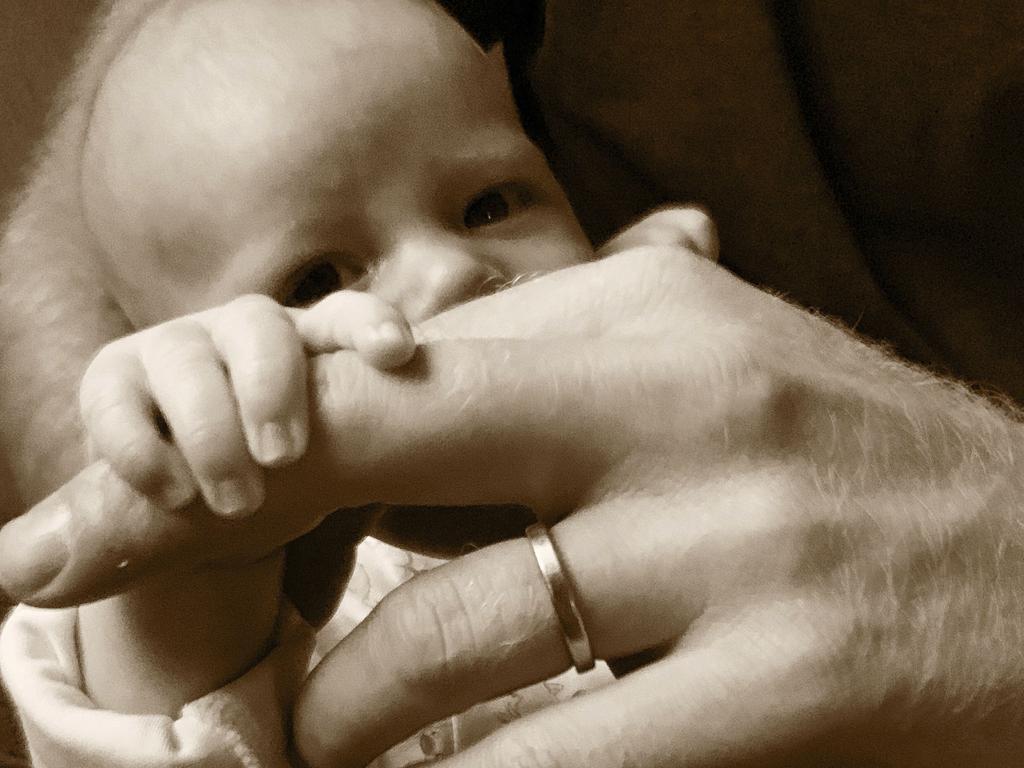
(555, 247)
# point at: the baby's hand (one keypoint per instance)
(208, 399)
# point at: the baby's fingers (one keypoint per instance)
(191, 388)
(258, 343)
(121, 422)
(360, 321)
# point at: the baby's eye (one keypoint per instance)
(325, 274)
(494, 205)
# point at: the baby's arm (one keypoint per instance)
(216, 379)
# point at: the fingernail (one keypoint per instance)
(38, 553)
(391, 333)
(274, 443)
(387, 333)
(234, 497)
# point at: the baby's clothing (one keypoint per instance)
(240, 725)
(243, 724)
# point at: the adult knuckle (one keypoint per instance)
(695, 218)
(685, 220)
(671, 277)
(432, 617)
(662, 261)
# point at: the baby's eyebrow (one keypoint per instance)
(494, 148)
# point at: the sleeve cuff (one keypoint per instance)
(242, 724)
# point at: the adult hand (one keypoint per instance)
(816, 550)
(820, 547)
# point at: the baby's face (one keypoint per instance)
(295, 149)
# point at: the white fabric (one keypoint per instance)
(238, 726)
(242, 724)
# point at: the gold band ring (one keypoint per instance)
(563, 597)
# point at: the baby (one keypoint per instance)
(362, 158)
(369, 150)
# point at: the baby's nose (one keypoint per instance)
(423, 277)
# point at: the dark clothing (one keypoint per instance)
(865, 159)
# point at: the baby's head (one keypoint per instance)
(295, 148)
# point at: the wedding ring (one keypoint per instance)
(563, 597)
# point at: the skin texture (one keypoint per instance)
(881, 624)
(823, 543)
(213, 167)
(246, 184)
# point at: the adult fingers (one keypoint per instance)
(263, 353)
(191, 388)
(646, 564)
(539, 423)
(468, 422)
(120, 419)
(94, 524)
(687, 227)
(645, 289)
(756, 691)
(483, 625)
(478, 422)
(360, 321)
